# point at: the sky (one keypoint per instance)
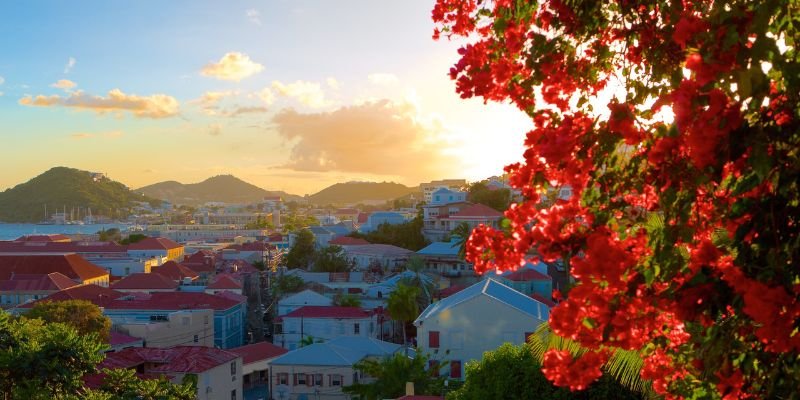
(288, 95)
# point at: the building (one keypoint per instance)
(387, 257)
(347, 241)
(382, 217)
(22, 288)
(322, 236)
(224, 283)
(176, 328)
(443, 258)
(440, 220)
(320, 370)
(255, 367)
(430, 187)
(190, 232)
(120, 341)
(445, 329)
(116, 259)
(307, 297)
(323, 323)
(218, 372)
(444, 196)
(72, 266)
(528, 281)
(176, 272)
(156, 247)
(146, 283)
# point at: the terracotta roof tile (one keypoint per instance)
(145, 281)
(179, 359)
(258, 352)
(224, 281)
(348, 241)
(37, 282)
(72, 266)
(172, 301)
(152, 243)
(174, 271)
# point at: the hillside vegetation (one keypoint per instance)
(222, 188)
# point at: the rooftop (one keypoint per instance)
(348, 241)
(117, 338)
(475, 211)
(378, 249)
(145, 281)
(224, 281)
(72, 266)
(179, 359)
(37, 282)
(524, 275)
(96, 294)
(440, 249)
(152, 243)
(258, 352)
(174, 271)
(328, 312)
(340, 351)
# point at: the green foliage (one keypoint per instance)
(461, 233)
(62, 187)
(391, 375)
(82, 315)
(133, 238)
(123, 384)
(425, 287)
(402, 304)
(346, 300)
(110, 235)
(407, 235)
(513, 372)
(302, 252)
(260, 265)
(287, 284)
(297, 222)
(331, 259)
(260, 223)
(499, 199)
(309, 340)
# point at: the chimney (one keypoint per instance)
(409, 388)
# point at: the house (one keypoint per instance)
(176, 272)
(527, 281)
(115, 258)
(224, 282)
(321, 236)
(430, 187)
(323, 323)
(255, 365)
(72, 266)
(203, 263)
(443, 258)
(445, 330)
(156, 247)
(175, 328)
(250, 251)
(320, 370)
(120, 341)
(347, 241)
(439, 220)
(305, 298)
(44, 238)
(383, 256)
(146, 283)
(22, 288)
(218, 372)
(445, 195)
(381, 217)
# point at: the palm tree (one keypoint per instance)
(461, 232)
(416, 265)
(402, 305)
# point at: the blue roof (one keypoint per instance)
(318, 230)
(341, 351)
(339, 230)
(440, 248)
(494, 290)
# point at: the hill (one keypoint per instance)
(222, 188)
(360, 192)
(62, 187)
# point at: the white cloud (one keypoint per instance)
(64, 84)
(153, 106)
(87, 135)
(254, 16)
(233, 66)
(265, 95)
(2, 80)
(70, 64)
(381, 78)
(307, 93)
(209, 101)
(333, 83)
(1, 94)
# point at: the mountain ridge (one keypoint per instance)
(219, 188)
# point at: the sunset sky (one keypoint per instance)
(288, 95)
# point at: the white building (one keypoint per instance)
(446, 329)
(430, 187)
(323, 323)
(385, 256)
(305, 298)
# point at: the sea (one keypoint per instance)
(13, 231)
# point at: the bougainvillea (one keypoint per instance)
(676, 125)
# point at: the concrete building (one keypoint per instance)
(430, 187)
(323, 323)
(177, 328)
(157, 247)
(146, 283)
(255, 368)
(22, 288)
(385, 256)
(305, 298)
(443, 258)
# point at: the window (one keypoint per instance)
(356, 328)
(299, 379)
(233, 368)
(184, 321)
(336, 380)
(233, 394)
(196, 338)
(283, 379)
(433, 339)
(159, 317)
(318, 380)
(455, 369)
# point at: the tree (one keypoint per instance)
(479, 192)
(402, 305)
(462, 232)
(308, 341)
(133, 238)
(346, 300)
(82, 315)
(259, 223)
(425, 286)
(109, 235)
(512, 372)
(124, 384)
(331, 259)
(407, 235)
(681, 230)
(287, 284)
(303, 251)
(391, 374)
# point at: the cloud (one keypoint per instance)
(87, 135)
(254, 16)
(214, 129)
(233, 66)
(307, 93)
(382, 138)
(381, 78)
(81, 135)
(209, 101)
(1, 94)
(64, 84)
(154, 106)
(246, 110)
(70, 64)
(333, 83)
(2, 80)
(265, 95)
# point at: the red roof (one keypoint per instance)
(362, 218)
(224, 281)
(543, 300)
(152, 243)
(44, 238)
(72, 266)
(172, 301)
(524, 275)
(174, 271)
(477, 210)
(178, 359)
(96, 294)
(328, 312)
(449, 291)
(275, 237)
(118, 338)
(145, 281)
(33, 282)
(62, 247)
(258, 352)
(348, 241)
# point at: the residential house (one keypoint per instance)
(22, 288)
(157, 247)
(347, 241)
(250, 251)
(189, 327)
(322, 236)
(447, 196)
(320, 370)
(203, 263)
(445, 330)
(176, 272)
(116, 259)
(120, 341)
(323, 323)
(384, 256)
(527, 281)
(255, 366)
(146, 283)
(381, 217)
(218, 372)
(443, 258)
(430, 187)
(223, 283)
(305, 298)
(72, 266)
(440, 220)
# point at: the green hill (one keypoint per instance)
(62, 187)
(360, 192)
(222, 188)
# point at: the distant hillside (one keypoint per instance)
(222, 188)
(67, 187)
(360, 192)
